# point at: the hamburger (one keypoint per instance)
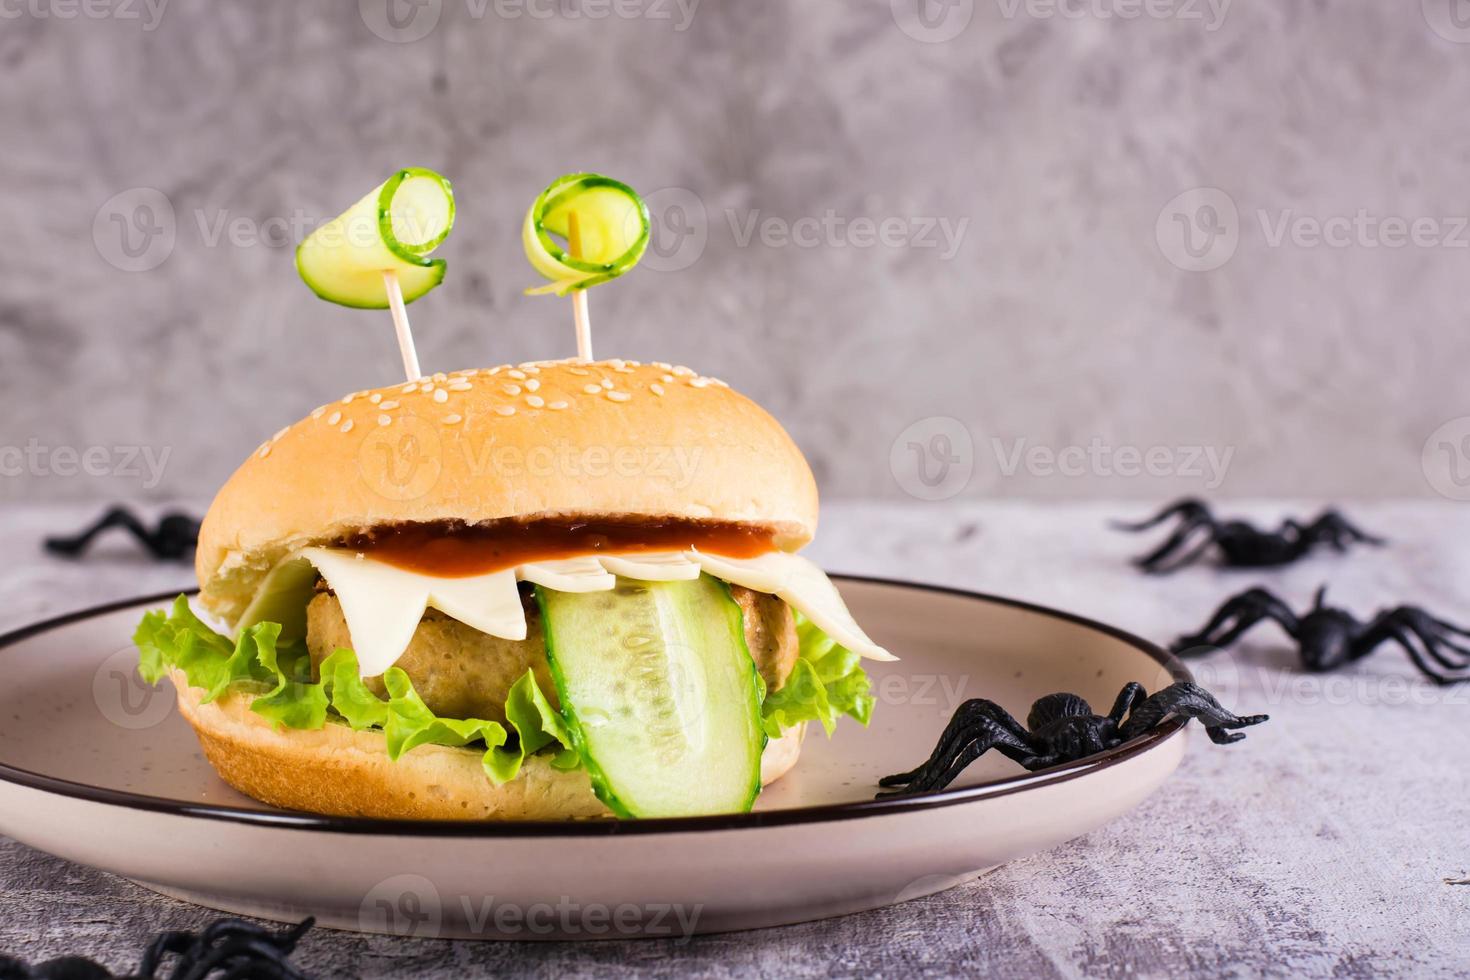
(548, 591)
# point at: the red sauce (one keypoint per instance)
(457, 550)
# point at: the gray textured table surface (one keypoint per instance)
(1322, 846)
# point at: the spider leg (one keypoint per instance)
(970, 721)
(1238, 615)
(1129, 698)
(1188, 701)
(1159, 560)
(943, 767)
(1405, 625)
(1332, 528)
(1192, 508)
(116, 517)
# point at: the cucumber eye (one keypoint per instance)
(391, 229)
(584, 230)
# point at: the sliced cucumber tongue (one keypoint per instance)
(393, 229)
(583, 230)
(660, 694)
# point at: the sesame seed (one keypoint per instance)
(347, 426)
(512, 389)
(618, 396)
(663, 365)
(668, 379)
(558, 406)
(452, 419)
(533, 385)
(607, 382)
(409, 388)
(265, 450)
(441, 396)
(334, 418)
(535, 401)
(517, 373)
(277, 436)
(623, 369)
(375, 398)
(505, 410)
(388, 406)
(592, 389)
(698, 382)
(579, 372)
(385, 420)
(494, 371)
(616, 362)
(470, 373)
(461, 386)
(317, 413)
(718, 383)
(347, 399)
(530, 369)
(441, 376)
(656, 388)
(427, 386)
(682, 371)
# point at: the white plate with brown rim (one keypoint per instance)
(100, 769)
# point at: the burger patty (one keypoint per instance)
(461, 672)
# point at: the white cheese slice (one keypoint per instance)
(383, 604)
(584, 574)
(664, 566)
(801, 584)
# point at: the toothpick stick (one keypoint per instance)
(401, 327)
(579, 296)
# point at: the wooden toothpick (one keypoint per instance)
(579, 296)
(401, 327)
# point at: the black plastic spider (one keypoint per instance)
(1329, 638)
(228, 949)
(176, 536)
(1240, 543)
(1061, 728)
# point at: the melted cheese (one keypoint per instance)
(383, 604)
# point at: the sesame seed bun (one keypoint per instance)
(606, 440)
(339, 772)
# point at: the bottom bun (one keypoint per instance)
(337, 771)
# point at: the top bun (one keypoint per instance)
(605, 440)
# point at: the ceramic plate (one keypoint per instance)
(100, 769)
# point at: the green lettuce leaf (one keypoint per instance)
(827, 682)
(280, 676)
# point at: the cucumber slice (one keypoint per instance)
(660, 694)
(603, 222)
(393, 228)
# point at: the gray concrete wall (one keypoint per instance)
(966, 253)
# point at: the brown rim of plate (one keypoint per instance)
(602, 828)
